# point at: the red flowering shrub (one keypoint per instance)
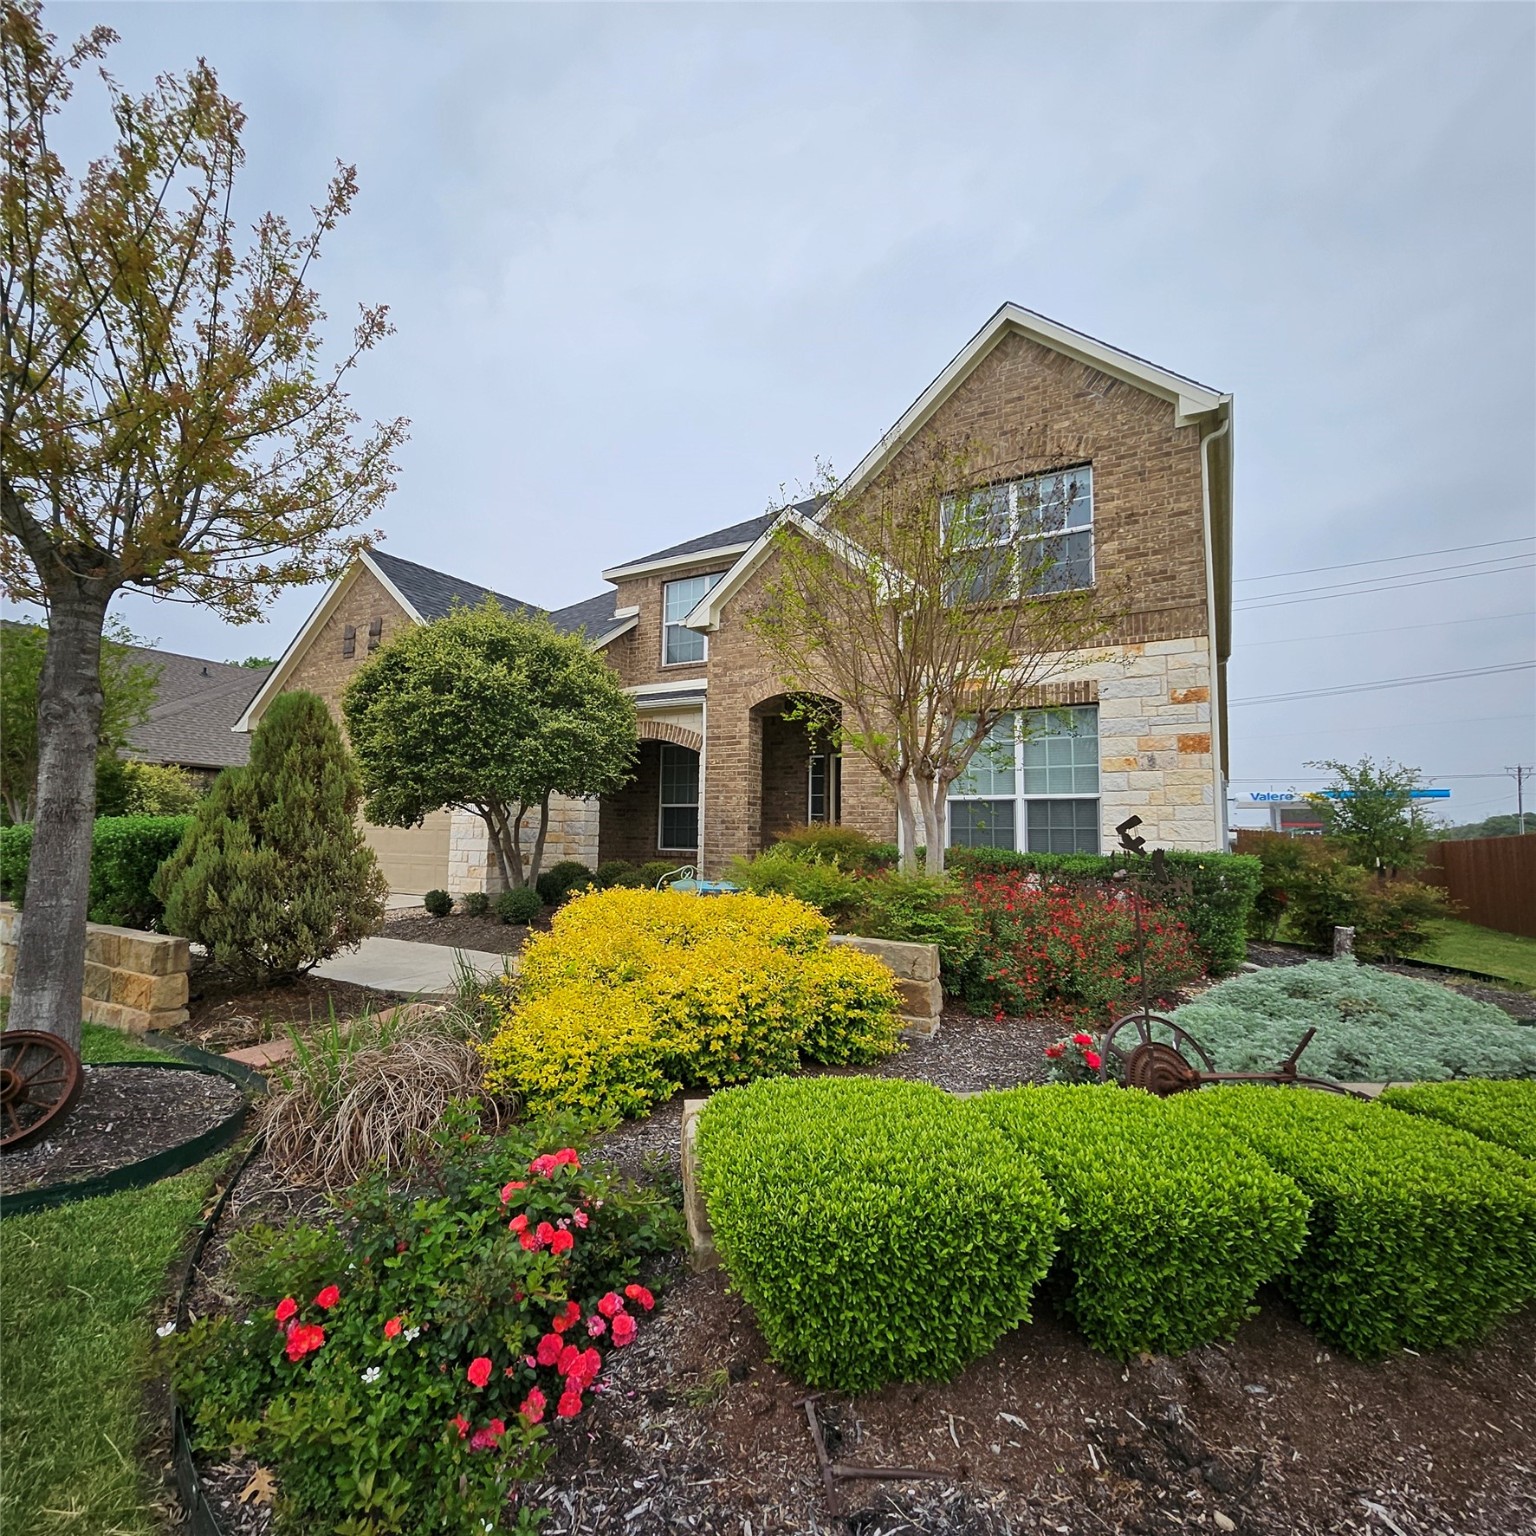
(447, 1333)
(1074, 1059)
(1067, 951)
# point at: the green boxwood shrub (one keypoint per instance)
(1500, 1112)
(879, 1230)
(1421, 1236)
(1173, 1225)
(846, 847)
(820, 883)
(918, 910)
(476, 903)
(1216, 910)
(126, 851)
(438, 903)
(519, 905)
(559, 880)
(1373, 1026)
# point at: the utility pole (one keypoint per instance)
(1521, 771)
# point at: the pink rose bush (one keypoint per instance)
(449, 1331)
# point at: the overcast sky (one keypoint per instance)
(648, 263)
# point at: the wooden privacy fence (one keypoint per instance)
(1492, 879)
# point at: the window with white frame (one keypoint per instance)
(679, 599)
(679, 829)
(1028, 536)
(1033, 785)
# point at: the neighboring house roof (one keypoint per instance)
(427, 594)
(593, 614)
(197, 702)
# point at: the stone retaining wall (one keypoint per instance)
(134, 981)
(916, 969)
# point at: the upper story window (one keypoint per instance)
(679, 599)
(1028, 536)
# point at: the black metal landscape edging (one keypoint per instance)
(158, 1165)
(200, 1517)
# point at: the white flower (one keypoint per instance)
(410, 1333)
(371, 1375)
(165, 1330)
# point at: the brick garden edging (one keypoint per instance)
(134, 981)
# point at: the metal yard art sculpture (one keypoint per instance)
(1149, 1050)
(39, 1083)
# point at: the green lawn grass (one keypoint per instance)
(1482, 949)
(84, 1286)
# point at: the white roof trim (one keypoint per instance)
(613, 634)
(681, 685)
(673, 562)
(1191, 402)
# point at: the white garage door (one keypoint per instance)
(414, 859)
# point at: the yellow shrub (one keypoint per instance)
(634, 993)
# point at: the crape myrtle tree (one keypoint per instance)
(909, 616)
(128, 686)
(1370, 811)
(491, 712)
(169, 424)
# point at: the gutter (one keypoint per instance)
(1218, 778)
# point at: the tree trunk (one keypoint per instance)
(494, 831)
(50, 952)
(928, 793)
(536, 862)
(908, 825)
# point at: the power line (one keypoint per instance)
(1423, 554)
(1395, 629)
(1391, 682)
(1391, 725)
(1387, 578)
(1285, 602)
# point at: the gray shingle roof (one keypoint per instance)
(593, 614)
(196, 705)
(722, 538)
(433, 594)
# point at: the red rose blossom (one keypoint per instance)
(596, 1327)
(549, 1348)
(303, 1339)
(611, 1304)
(570, 1403)
(570, 1360)
(623, 1330)
(1094, 1060)
(519, 1223)
(533, 1406)
(479, 1371)
(461, 1424)
(285, 1309)
(566, 1158)
(561, 1242)
(640, 1294)
(545, 1233)
(328, 1298)
(392, 1328)
(508, 1190)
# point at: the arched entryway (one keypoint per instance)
(801, 768)
(656, 815)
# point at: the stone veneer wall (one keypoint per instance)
(472, 867)
(133, 981)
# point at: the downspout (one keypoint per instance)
(703, 773)
(1218, 781)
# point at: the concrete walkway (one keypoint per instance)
(397, 965)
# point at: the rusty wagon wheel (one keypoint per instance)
(1149, 1051)
(39, 1083)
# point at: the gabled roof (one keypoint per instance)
(1193, 403)
(723, 541)
(593, 614)
(427, 594)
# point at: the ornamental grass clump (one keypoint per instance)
(879, 1230)
(634, 994)
(1372, 1026)
(401, 1369)
(1172, 1227)
(1501, 1112)
(1420, 1236)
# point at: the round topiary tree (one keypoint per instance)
(273, 876)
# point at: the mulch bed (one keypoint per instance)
(123, 1114)
(1516, 1003)
(459, 931)
(224, 1014)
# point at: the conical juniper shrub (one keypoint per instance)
(1421, 1236)
(1173, 1226)
(1501, 1112)
(274, 875)
(879, 1231)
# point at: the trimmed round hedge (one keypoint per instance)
(1173, 1226)
(1501, 1112)
(879, 1230)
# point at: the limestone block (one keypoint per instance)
(701, 1240)
(919, 1029)
(1118, 764)
(1130, 688)
(7, 959)
(133, 989)
(98, 982)
(920, 999)
(915, 962)
(1196, 742)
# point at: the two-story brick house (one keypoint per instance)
(1136, 726)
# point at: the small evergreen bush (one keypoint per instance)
(1213, 896)
(1323, 890)
(616, 872)
(273, 875)
(916, 909)
(633, 994)
(126, 853)
(559, 880)
(846, 847)
(879, 1231)
(1420, 1237)
(476, 903)
(1501, 1112)
(519, 905)
(1372, 1026)
(438, 903)
(1172, 1226)
(820, 883)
